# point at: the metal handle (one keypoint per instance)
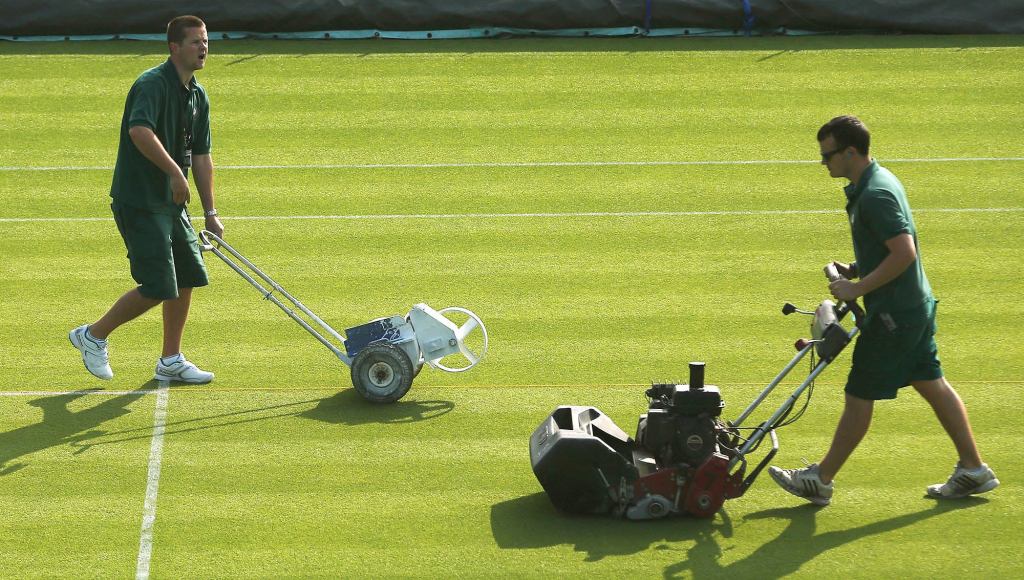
(205, 246)
(218, 250)
(832, 273)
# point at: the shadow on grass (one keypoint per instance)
(348, 408)
(61, 426)
(797, 544)
(531, 522)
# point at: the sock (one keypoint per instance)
(169, 360)
(99, 341)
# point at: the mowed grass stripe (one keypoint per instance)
(546, 190)
(675, 103)
(627, 300)
(209, 388)
(534, 164)
(475, 216)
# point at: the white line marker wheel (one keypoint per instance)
(467, 329)
(382, 373)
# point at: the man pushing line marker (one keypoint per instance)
(165, 131)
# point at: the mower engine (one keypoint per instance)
(678, 463)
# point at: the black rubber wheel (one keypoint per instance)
(382, 373)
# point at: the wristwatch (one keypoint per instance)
(211, 212)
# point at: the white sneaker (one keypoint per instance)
(181, 371)
(805, 483)
(94, 353)
(965, 482)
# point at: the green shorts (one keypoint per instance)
(163, 251)
(886, 360)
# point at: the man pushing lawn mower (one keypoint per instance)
(896, 347)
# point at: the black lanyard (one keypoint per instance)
(187, 118)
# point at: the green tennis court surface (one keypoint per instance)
(611, 209)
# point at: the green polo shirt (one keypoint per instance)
(174, 112)
(878, 211)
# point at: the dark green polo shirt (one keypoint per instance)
(878, 211)
(176, 114)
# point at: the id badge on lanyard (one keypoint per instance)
(188, 116)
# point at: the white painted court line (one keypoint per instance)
(513, 164)
(156, 449)
(580, 214)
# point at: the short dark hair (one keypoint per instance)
(848, 131)
(176, 28)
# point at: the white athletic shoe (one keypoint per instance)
(94, 352)
(181, 371)
(803, 483)
(965, 482)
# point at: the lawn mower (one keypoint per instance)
(685, 459)
(385, 354)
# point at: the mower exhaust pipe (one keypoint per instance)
(696, 376)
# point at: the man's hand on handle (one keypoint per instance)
(214, 226)
(845, 290)
(840, 285)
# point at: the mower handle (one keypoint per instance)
(205, 244)
(832, 273)
(741, 487)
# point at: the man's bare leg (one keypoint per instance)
(128, 307)
(175, 316)
(953, 415)
(852, 427)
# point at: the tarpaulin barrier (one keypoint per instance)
(125, 18)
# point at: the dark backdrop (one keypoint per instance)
(109, 17)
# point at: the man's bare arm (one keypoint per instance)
(147, 142)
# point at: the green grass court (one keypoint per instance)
(612, 209)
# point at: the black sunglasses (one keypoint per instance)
(825, 157)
